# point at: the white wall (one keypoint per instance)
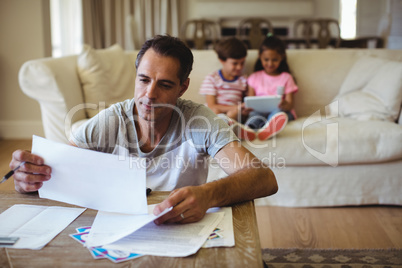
(24, 33)
(395, 34)
(381, 18)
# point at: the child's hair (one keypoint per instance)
(273, 43)
(231, 48)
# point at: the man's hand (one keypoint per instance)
(31, 175)
(189, 205)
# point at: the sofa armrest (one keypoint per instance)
(54, 83)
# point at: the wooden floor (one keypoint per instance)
(280, 227)
(341, 228)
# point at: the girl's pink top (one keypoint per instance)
(266, 85)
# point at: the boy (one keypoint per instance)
(225, 89)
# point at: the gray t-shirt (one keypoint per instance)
(181, 157)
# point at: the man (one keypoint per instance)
(157, 125)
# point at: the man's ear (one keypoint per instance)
(184, 87)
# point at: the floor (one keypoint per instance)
(341, 227)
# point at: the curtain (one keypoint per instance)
(128, 22)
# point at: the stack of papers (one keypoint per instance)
(101, 253)
(223, 235)
(35, 226)
(172, 240)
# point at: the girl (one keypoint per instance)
(271, 77)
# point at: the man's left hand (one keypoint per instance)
(189, 205)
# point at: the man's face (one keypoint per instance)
(157, 86)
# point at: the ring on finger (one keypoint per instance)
(182, 216)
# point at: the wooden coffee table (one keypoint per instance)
(63, 251)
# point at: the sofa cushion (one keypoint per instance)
(334, 141)
(372, 90)
(107, 77)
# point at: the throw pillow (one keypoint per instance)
(360, 73)
(372, 90)
(107, 77)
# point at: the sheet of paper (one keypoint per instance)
(92, 179)
(109, 227)
(223, 236)
(35, 225)
(171, 240)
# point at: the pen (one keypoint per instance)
(149, 190)
(9, 174)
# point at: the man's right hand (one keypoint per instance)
(31, 175)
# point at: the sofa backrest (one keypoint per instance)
(55, 84)
(319, 73)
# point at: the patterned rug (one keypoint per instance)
(332, 258)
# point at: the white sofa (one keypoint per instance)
(326, 159)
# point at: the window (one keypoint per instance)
(66, 27)
(348, 19)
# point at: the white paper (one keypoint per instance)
(171, 240)
(109, 227)
(92, 179)
(35, 225)
(226, 233)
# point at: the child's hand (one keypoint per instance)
(245, 111)
(233, 112)
(285, 105)
(236, 109)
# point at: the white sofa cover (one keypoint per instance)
(320, 159)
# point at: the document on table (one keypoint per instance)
(35, 225)
(136, 233)
(92, 179)
(109, 227)
(170, 240)
(223, 235)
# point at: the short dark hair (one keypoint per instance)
(231, 48)
(169, 46)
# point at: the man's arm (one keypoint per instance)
(248, 179)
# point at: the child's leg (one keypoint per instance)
(277, 121)
(256, 120)
(277, 110)
(241, 131)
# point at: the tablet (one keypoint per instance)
(262, 104)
